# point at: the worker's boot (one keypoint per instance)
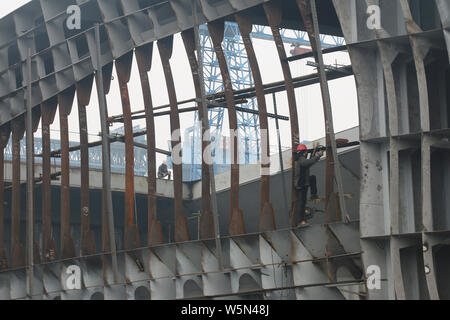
(314, 197)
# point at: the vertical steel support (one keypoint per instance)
(65, 101)
(267, 218)
(5, 133)
(207, 222)
(109, 238)
(30, 181)
(280, 150)
(309, 16)
(165, 47)
(84, 90)
(123, 68)
(274, 17)
(205, 125)
(48, 110)
(216, 30)
(144, 62)
(17, 253)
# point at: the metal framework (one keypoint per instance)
(241, 77)
(395, 229)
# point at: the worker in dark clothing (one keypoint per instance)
(163, 172)
(303, 181)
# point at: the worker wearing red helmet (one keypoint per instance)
(303, 181)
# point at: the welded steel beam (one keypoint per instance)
(48, 110)
(5, 133)
(123, 68)
(333, 171)
(267, 218)
(17, 251)
(165, 47)
(274, 17)
(65, 101)
(144, 62)
(207, 222)
(216, 30)
(84, 90)
(30, 181)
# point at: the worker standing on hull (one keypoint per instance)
(303, 181)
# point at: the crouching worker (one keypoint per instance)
(163, 172)
(303, 181)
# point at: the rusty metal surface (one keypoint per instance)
(65, 101)
(5, 133)
(216, 30)
(334, 204)
(274, 17)
(267, 218)
(123, 68)
(17, 251)
(48, 110)
(165, 47)
(84, 90)
(207, 222)
(144, 62)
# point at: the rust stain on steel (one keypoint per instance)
(17, 251)
(48, 110)
(65, 101)
(216, 30)
(330, 201)
(5, 132)
(267, 218)
(274, 17)
(123, 68)
(107, 77)
(207, 222)
(144, 62)
(35, 120)
(165, 47)
(84, 90)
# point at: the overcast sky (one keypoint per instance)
(309, 103)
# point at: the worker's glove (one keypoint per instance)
(319, 154)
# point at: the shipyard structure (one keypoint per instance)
(73, 230)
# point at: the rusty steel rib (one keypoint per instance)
(207, 222)
(5, 132)
(267, 218)
(84, 90)
(123, 69)
(35, 120)
(144, 62)
(216, 30)
(274, 17)
(17, 251)
(307, 9)
(165, 47)
(48, 110)
(65, 101)
(106, 76)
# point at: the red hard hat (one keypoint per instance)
(302, 147)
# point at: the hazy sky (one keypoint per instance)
(309, 103)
